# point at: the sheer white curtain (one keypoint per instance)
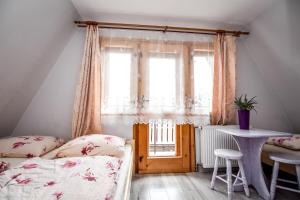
(155, 75)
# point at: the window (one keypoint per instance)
(145, 77)
(117, 80)
(203, 79)
(162, 82)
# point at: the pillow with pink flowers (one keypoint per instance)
(273, 140)
(93, 145)
(292, 143)
(28, 146)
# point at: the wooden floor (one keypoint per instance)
(189, 186)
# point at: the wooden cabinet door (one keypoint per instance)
(179, 157)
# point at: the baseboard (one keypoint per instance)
(201, 169)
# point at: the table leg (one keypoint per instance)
(251, 149)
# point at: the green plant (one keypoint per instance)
(243, 103)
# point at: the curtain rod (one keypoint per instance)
(159, 28)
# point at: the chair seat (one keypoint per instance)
(228, 154)
(285, 158)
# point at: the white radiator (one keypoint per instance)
(211, 139)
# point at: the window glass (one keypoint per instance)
(162, 83)
(117, 84)
(203, 79)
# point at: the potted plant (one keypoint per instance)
(244, 106)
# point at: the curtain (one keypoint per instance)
(150, 75)
(86, 114)
(224, 81)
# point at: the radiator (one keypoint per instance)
(211, 139)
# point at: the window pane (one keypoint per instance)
(118, 70)
(162, 83)
(203, 79)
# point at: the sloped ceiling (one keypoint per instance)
(237, 12)
(32, 35)
(274, 47)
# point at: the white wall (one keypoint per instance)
(50, 111)
(274, 49)
(270, 113)
(33, 33)
(259, 73)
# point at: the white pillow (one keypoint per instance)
(93, 145)
(28, 146)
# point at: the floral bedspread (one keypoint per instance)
(66, 178)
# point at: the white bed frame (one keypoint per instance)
(130, 172)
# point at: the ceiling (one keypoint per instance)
(236, 12)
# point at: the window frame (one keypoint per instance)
(133, 94)
(142, 50)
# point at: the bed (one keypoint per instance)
(90, 177)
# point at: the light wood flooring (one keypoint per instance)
(189, 186)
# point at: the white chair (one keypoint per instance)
(288, 159)
(230, 155)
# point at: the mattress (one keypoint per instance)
(121, 190)
(268, 148)
(65, 178)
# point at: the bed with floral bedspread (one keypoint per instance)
(66, 178)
